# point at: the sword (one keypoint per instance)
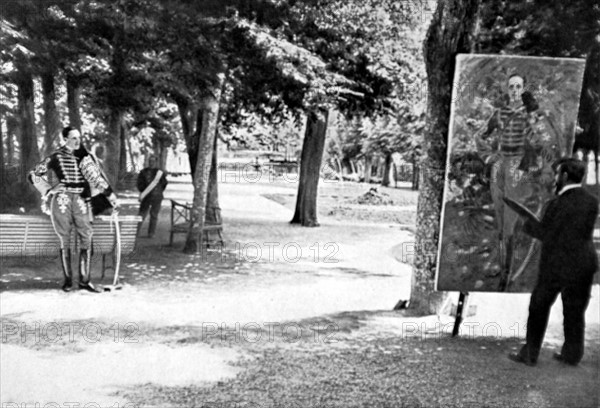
(117, 260)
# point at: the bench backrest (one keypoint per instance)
(181, 213)
(33, 235)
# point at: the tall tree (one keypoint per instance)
(212, 199)
(2, 160)
(113, 145)
(313, 146)
(8, 34)
(52, 123)
(190, 117)
(74, 100)
(589, 110)
(334, 31)
(12, 134)
(452, 31)
(559, 29)
(30, 154)
(202, 171)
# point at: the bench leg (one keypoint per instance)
(103, 267)
(206, 238)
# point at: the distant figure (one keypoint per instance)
(256, 164)
(66, 179)
(151, 183)
(567, 266)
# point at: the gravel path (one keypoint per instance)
(245, 327)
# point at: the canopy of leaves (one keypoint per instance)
(540, 27)
(280, 58)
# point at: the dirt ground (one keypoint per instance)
(281, 316)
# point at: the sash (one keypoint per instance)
(150, 187)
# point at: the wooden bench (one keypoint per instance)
(180, 222)
(279, 167)
(34, 236)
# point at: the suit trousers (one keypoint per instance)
(151, 204)
(575, 299)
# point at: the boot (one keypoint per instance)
(84, 272)
(65, 262)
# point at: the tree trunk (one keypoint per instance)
(589, 110)
(310, 166)
(415, 174)
(340, 169)
(133, 168)
(450, 32)
(368, 169)
(3, 180)
(74, 101)
(30, 154)
(338, 166)
(193, 146)
(162, 156)
(12, 132)
(52, 123)
(387, 168)
(191, 119)
(212, 201)
(210, 116)
(123, 168)
(360, 169)
(113, 146)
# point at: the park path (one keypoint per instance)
(93, 368)
(367, 277)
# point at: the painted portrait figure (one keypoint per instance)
(512, 118)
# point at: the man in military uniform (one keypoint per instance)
(151, 183)
(509, 175)
(65, 179)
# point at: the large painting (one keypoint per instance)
(511, 118)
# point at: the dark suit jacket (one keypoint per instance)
(146, 177)
(568, 253)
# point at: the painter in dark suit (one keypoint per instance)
(567, 265)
